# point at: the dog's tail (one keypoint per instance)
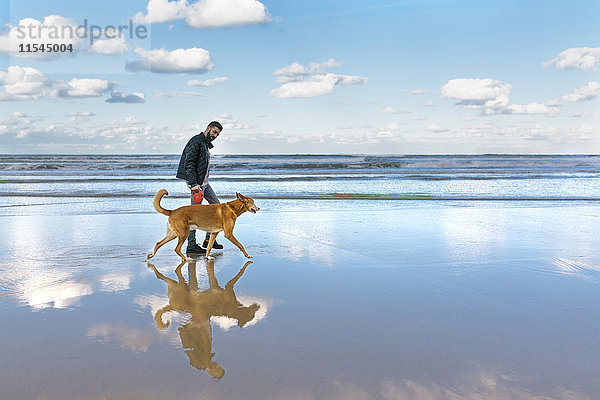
(159, 195)
(158, 317)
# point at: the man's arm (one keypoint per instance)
(192, 151)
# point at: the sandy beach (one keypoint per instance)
(343, 300)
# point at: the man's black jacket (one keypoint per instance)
(194, 160)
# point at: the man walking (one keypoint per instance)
(194, 168)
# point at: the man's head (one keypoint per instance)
(213, 130)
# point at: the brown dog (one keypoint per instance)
(213, 218)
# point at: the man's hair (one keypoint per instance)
(217, 124)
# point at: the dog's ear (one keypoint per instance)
(239, 196)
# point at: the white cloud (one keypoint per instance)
(386, 132)
(81, 87)
(205, 13)
(80, 114)
(351, 79)
(299, 81)
(418, 91)
(127, 134)
(576, 58)
(159, 11)
(117, 45)
(26, 83)
(23, 83)
(54, 29)
(118, 97)
(76, 117)
(131, 131)
(192, 60)
(489, 94)
(316, 85)
(18, 124)
(435, 128)
(319, 68)
(343, 136)
(531, 108)
(207, 83)
(390, 110)
(520, 134)
(429, 103)
(492, 97)
(130, 119)
(584, 93)
(230, 122)
(296, 71)
(588, 92)
(162, 95)
(363, 135)
(222, 13)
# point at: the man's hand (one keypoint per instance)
(197, 187)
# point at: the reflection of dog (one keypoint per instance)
(213, 218)
(196, 334)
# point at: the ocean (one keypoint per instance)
(403, 177)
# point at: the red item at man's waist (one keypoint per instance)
(197, 196)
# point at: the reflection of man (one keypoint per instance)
(196, 338)
(194, 168)
(196, 335)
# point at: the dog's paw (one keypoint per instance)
(210, 258)
(248, 256)
(149, 256)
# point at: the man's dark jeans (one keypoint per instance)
(209, 194)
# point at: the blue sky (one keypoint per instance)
(376, 77)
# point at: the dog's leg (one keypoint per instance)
(229, 235)
(179, 274)
(211, 242)
(170, 236)
(233, 240)
(178, 247)
(170, 282)
(233, 281)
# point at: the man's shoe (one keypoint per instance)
(215, 245)
(195, 249)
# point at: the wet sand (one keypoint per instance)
(343, 300)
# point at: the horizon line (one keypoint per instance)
(307, 154)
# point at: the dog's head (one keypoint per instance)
(248, 203)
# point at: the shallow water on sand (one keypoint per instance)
(343, 300)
